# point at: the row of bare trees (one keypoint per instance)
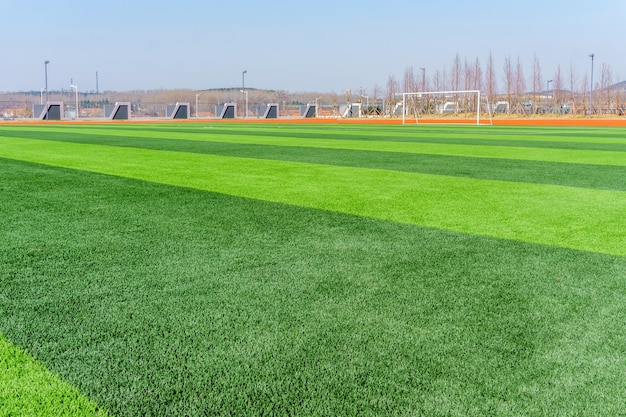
(523, 92)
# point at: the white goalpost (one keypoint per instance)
(444, 103)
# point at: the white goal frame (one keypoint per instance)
(444, 93)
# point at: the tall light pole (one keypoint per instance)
(45, 64)
(75, 87)
(424, 86)
(243, 95)
(591, 88)
(197, 95)
(547, 90)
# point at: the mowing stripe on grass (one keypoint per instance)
(586, 137)
(27, 388)
(584, 156)
(609, 139)
(608, 177)
(553, 215)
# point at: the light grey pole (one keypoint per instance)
(424, 86)
(243, 94)
(75, 87)
(46, 72)
(591, 89)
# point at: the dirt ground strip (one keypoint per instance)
(597, 122)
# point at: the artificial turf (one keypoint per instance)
(571, 217)
(252, 143)
(155, 299)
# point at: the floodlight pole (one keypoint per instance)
(197, 95)
(547, 90)
(591, 89)
(75, 87)
(243, 95)
(46, 74)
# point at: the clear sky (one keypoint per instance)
(296, 45)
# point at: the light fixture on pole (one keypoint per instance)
(243, 89)
(46, 73)
(75, 87)
(591, 88)
(197, 95)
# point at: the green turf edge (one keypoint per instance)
(27, 388)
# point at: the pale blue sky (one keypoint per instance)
(294, 45)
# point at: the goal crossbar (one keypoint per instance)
(444, 94)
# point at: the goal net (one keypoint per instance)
(445, 106)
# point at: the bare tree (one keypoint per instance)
(572, 87)
(490, 77)
(477, 80)
(409, 80)
(508, 81)
(537, 81)
(619, 99)
(468, 74)
(520, 83)
(281, 97)
(392, 90)
(375, 94)
(557, 88)
(478, 75)
(439, 80)
(455, 74)
(424, 82)
(606, 80)
(584, 91)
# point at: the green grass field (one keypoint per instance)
(312, 270)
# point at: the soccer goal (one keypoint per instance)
(445, 107)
